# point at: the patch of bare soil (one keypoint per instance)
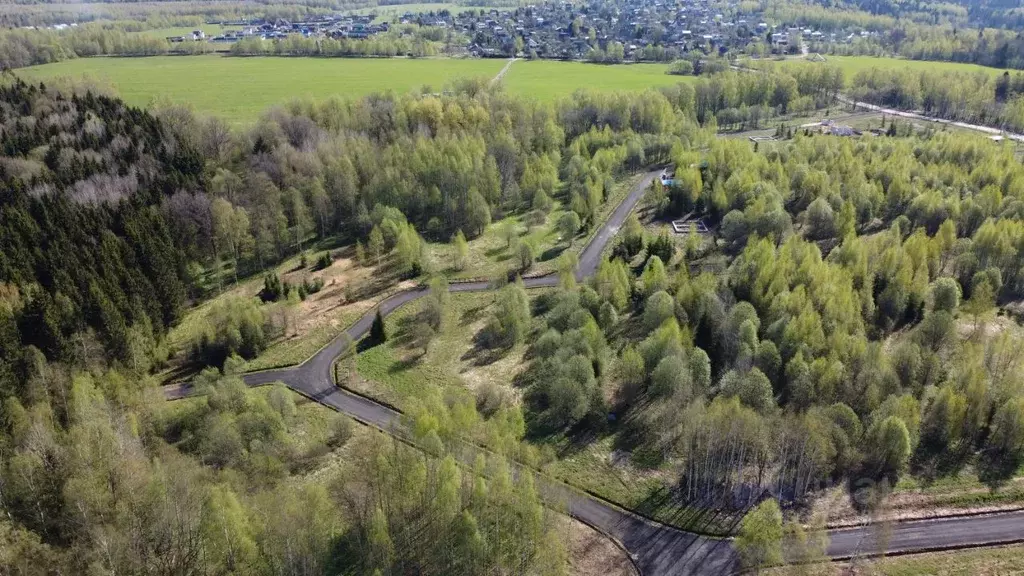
(591, 552)
(349, 290)
(986, 329)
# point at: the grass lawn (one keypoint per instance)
(961, 491)
(851, 65)
(399, 370)
(241, 89)
(490, 256)
(548, 80)
(976, 562)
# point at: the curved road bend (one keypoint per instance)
(658, 550)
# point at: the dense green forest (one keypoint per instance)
(115, 219)
(977, 98)
(216, 205)
(849, 337)
(109, 215)
(846, 341)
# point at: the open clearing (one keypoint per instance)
(349, 291)
(547, 80)
(241, 89)
(851, 65)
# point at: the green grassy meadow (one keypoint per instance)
(547, 80)
(241, 89)
(851, 65)
(399, 371)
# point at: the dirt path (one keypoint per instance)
(503, 71)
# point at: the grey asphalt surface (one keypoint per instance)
(937, 534)
(656, 549)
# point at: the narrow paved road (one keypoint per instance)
(657, 550)
(937, 534)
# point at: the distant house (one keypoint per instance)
(831, 128)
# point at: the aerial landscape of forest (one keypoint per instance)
(616, 287)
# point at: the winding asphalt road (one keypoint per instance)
(656, 549)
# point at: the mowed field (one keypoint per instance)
(851, 65)
(241, 89)
(547, 79)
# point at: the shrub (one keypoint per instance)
(234, 326)
(324, 261)
(273, 288)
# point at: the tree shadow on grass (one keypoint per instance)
(552, 253)
(184, 370)
(704, 516)
(566, 442)
(630, 329)
(499, 253)
(471, 315)
(404, 364)
(403, 336)
(482, 353)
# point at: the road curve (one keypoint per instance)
(656, 549)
